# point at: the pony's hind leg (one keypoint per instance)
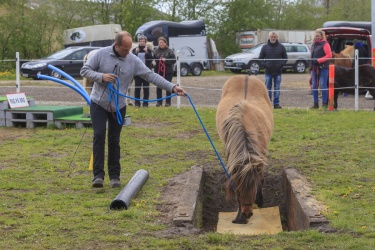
(372, 92)
(335, 98)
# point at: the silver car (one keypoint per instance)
(299, 55)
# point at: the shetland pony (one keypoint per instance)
(244, 122)
(345, 79)
(345, 59)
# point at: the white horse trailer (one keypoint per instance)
(194, 56)
(95, 35)
(197, 51)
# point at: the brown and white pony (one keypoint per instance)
(345, 57)
(244, 122)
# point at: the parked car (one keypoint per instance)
(299, 55)
(69, 60)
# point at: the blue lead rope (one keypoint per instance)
(114, 93)
(212, 144)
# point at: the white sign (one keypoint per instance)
(18, 100)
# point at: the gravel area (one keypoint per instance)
(204, 91)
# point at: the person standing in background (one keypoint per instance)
(275, 57)
(146, 57)
(320, 55)
(165, 59)
(363, 57)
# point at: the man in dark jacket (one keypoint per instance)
(274, 55)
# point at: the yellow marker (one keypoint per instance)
(91, 162)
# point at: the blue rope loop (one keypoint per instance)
(115, 93)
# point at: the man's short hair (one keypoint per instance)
(273, 33)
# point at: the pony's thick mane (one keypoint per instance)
(243, 153)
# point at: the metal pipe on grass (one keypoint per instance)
(130, 191)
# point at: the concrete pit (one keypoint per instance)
(203, 198)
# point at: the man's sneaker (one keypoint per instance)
(115, 183)
(277, 107)
(97, 183)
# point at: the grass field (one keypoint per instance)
(47, 201)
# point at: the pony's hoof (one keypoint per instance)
(241, 220)
(259, 203)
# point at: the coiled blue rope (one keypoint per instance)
(114, 92)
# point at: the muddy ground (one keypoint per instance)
(204, 91)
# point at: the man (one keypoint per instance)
(118, 66)
(362, 53)
(275, 57)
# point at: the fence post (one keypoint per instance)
(356, 90)
(331, 88)
(18, 82)
(178, 78)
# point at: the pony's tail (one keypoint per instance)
(242, 151)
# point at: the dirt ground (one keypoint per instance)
(204, 91)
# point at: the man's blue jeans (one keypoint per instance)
(276, 88)
(319, 79)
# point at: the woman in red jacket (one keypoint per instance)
(320, 55)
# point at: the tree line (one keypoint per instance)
(34, 28)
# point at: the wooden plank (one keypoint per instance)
(263, 221)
